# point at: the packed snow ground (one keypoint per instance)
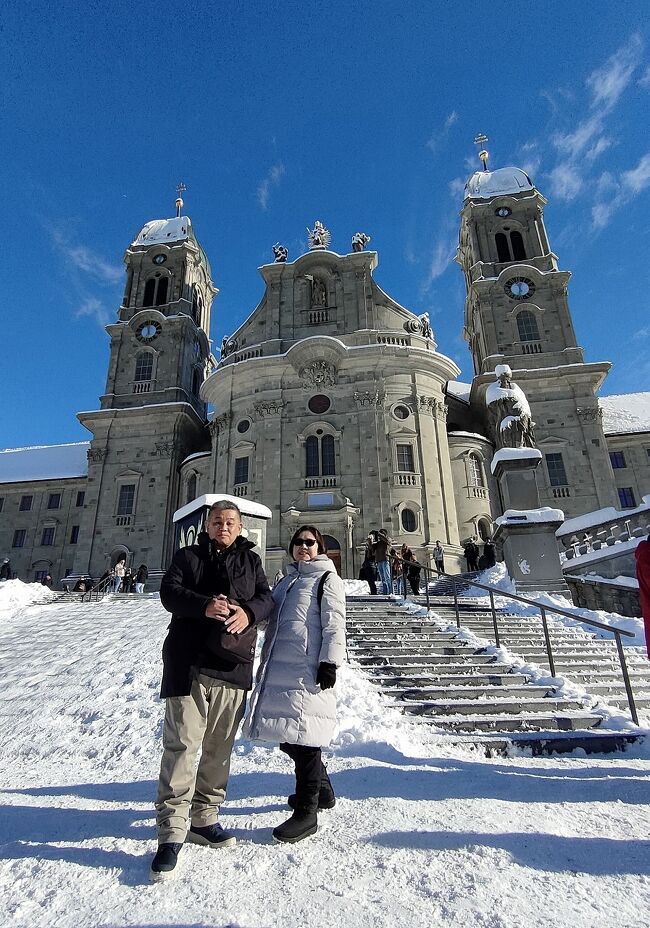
(422, 834)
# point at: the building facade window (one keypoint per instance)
(126, 499)
(2, 503)
(556, 472)
(155, 291)
(241, 470)
(527, 326)
(26, 503)
(510, 246)
(74, 535)
(476, 477)
(40, 575)
(81, 498)
(409, 520)
(190, 492)
(626, 497)
(405, 458)
(20, 536)
(320, 456)
(48, 536)
(143, 366)
(54, 501)
(618, 459)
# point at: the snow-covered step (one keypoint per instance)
(424, 693)
(403, 649)
(463, 660)
(449, 681)
(496, 706)
(538, 722)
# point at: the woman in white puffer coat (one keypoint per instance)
(293, 704)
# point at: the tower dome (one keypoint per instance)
(486, 184)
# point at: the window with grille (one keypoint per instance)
(405, 459)
(126, 499)
(74, 535)
(618, 459)
(143, 366)
(26, 503)
(626, 497)
(54, 501)
(241, 470)
(556, 472)
(476, 478)
(20, 536)
(49, 532)
(527, 326)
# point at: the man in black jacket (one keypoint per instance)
(213, 589)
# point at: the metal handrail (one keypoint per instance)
(491, 590)
(96, 592)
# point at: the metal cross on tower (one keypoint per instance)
(180, 190)
(481, 139)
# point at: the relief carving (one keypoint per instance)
(269, 408)
(318, 374)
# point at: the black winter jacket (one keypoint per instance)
(196, 574)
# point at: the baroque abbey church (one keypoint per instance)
(332, 403)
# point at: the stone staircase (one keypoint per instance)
(428, 670)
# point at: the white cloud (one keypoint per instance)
(443, 254)
(574, 143)
(87, 261)
(566, 181)
(641, 335)
(596, 150)
(644, 80)
(441, 134)
(608, 83)
(450, 120)
(638, 178)
(272, 179)
(601, 213)
(456, 187)
(91, 306)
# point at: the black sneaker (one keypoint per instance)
(300, 825)
(164, 863)
(210, 835)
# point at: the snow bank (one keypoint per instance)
(16, 595)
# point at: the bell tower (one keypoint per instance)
(151, 415)
(517, 313)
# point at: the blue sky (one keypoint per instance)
(362, 115)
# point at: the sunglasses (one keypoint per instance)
(304, 542)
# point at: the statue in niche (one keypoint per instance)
(319, 236)
(359, 241)
(318, 292)
(281, 253)
(509, 411)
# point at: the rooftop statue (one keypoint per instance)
(509, 411)
(281, 253)
(319, 236)
(425, 325)
(359, 241)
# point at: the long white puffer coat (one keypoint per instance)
(287, 704)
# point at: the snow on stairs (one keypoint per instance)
(428, 672)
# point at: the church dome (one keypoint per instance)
(485, 184)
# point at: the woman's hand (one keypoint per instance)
(326, 675)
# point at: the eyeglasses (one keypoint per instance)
(304, 542)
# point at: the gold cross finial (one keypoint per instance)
(180, 190)
(483, 154)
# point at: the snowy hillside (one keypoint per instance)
(422, 835)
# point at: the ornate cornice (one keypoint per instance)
(219, 423)
(269, 408)
(366, 398)
(589, 413)
(164, 449)
(96, 455)
(433, 406)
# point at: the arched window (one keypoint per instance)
(476, 478)
(320, 456)
(517, 242)
(149, 292)
(143, 366)
(503, 252)
(409, 520)
(155, 291)
(161, 293)
(191, 488)
(527, 326)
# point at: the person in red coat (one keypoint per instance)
(642, 555)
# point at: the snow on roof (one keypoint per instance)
(44, 462)
(543, 514)
(515, 454)
(163, 231)
(458, 390)
(600, 517)
(246, 506)
(485, 184)
(627, 412)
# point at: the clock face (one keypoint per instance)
(503, 211)
(148, 331)
(520, 288)
(159, 259)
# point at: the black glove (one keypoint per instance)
(326, 675)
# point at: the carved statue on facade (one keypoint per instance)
(509, 411)
(425, 325)
(228, 345)
(281, 253)
(318, 374)
(359, 241)
(319, 236)
(318, 292)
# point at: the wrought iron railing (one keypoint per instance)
(98, 591)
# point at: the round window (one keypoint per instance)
(409, 522)
(401, 412)
(319, 403)
(243, 425)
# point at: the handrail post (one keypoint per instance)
(404, 578)
(626, 678)
(494, 620)
(426, 586)
(456, 603)
(547, 637)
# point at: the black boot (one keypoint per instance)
(304, 821)
(326, 797)
(302, 824)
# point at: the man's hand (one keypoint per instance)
(218, 608)
(238, 620)
(232, 615)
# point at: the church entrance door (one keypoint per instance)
(333, 551)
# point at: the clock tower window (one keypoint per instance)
(527, 326)
(510, 246)
(143, 366)
(155, 291)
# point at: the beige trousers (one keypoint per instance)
(207, 719)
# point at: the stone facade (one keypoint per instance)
(332, 402)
